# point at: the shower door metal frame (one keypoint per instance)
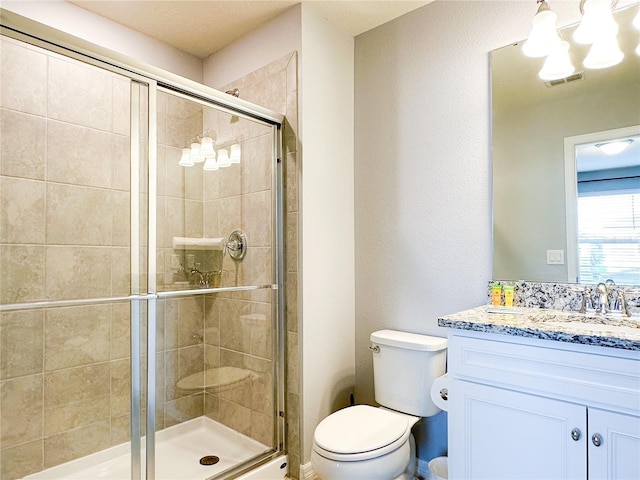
(34, 33)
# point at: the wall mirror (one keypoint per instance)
(537, 124)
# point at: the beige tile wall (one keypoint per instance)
(64, 234)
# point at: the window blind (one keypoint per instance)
(609, 238)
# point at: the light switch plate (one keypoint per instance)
(555, 257)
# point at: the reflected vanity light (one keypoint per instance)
(202, 149)
(597, 28)
(614, 147)
(558, 64)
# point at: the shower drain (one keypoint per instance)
(209, 460)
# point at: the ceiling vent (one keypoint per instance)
(562, 81)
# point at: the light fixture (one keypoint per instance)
(614, 147)
(544, 32)
(210, 164)
(597, 28)
(636, 24)
(605, 52)
(185, 159)
(558, 64)
(195, 153)
(206, 147)
(202, 149)
(597, 22)
(223, 158)
(236, 153)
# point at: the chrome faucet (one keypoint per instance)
(608, 299)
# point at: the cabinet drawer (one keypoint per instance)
(608, 378)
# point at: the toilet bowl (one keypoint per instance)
(364, 443)
(375, 443)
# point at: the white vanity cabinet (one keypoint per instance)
(524, 408)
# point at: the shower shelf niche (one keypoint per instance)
(220, 379)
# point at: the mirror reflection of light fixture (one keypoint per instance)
(614, 147)
(185, 159)
(558, 64)
(236, 153)
(544, 32)
(202, 149)
(223, 158)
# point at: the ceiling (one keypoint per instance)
(202, 27)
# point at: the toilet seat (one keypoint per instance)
(361, 432)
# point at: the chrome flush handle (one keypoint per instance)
(374, 348)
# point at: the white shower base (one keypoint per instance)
(178, 451)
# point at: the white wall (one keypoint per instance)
(423, 165)
(105, 33)
(271, 41)
(327, 260)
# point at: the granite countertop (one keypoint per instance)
(614, 331)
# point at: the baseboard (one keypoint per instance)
(307, 472)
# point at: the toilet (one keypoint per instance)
(375, 443)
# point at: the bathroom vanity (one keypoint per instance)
(543, 394)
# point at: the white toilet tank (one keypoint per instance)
(404, 367)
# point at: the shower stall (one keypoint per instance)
(141, 262)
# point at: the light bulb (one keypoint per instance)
(210, 164)
(558, 64)
(195, 153)
(206, 147)
(544, 33)
(604, 53)
(597, 22)
(235, 153)
(223, 158)
(185, 159)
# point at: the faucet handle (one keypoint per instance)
(587, 300)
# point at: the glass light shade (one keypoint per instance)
(597, 22)
(604, 53)
(558, 64)
(195, 153)
(636, 21)
(210, 164)
(613, 148)
(206, 147)
(638, 50)
(544, 35)
(185, 159)
(223, 158)
(236, 153)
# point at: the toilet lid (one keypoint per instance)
(358, 429)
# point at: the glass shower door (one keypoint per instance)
(71, 167)
(218, 358)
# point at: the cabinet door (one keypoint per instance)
(615, 453)
(498, 434)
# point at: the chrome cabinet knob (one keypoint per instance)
(596, 439)
(576, 434)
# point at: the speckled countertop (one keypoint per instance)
(614, 331)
